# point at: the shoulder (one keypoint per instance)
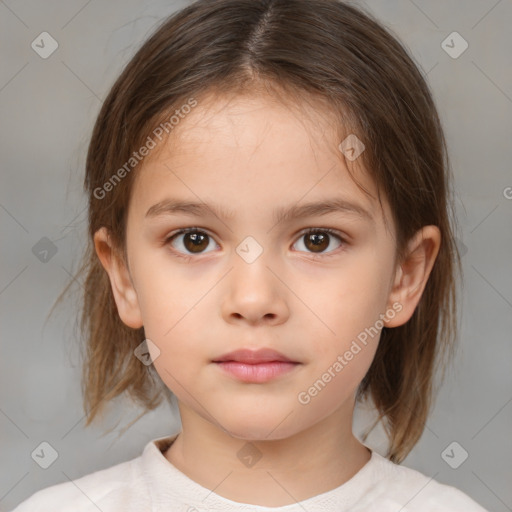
(115, 488)
(416, 492)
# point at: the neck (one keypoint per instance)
(273, 472)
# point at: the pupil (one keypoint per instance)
(319, 241)
(198, 241)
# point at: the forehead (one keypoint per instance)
(250, 119)
(259, 148)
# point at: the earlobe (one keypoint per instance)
(123, 290)
(413, 272)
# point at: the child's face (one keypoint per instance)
(252, 157)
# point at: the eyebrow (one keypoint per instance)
(282, 214)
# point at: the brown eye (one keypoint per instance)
(317, 241)
(195, 242)
(190, 241)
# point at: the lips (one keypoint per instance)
(264, 355)
(255, 366)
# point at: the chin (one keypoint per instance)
(252, 434)
(256, 427)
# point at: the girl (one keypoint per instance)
(270, 240)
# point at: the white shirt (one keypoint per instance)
(151, 483)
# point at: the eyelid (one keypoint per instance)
(182, 231)
(331, 232)
(167, 240)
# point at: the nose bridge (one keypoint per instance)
(254, 291)
(251, 273)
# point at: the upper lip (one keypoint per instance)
(262, 355)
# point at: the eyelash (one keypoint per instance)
(330, 232)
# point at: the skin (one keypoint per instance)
(251, 154)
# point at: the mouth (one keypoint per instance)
(255, 366)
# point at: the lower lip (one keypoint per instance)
(261, 372)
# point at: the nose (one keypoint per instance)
(254, 294)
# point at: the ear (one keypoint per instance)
(120, 280)
(412, 274)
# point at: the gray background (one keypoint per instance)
(48, 106)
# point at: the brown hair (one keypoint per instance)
(322, 49)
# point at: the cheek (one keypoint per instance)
(353, 296)
(180, 358)
(347, 308)
(164, 298)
